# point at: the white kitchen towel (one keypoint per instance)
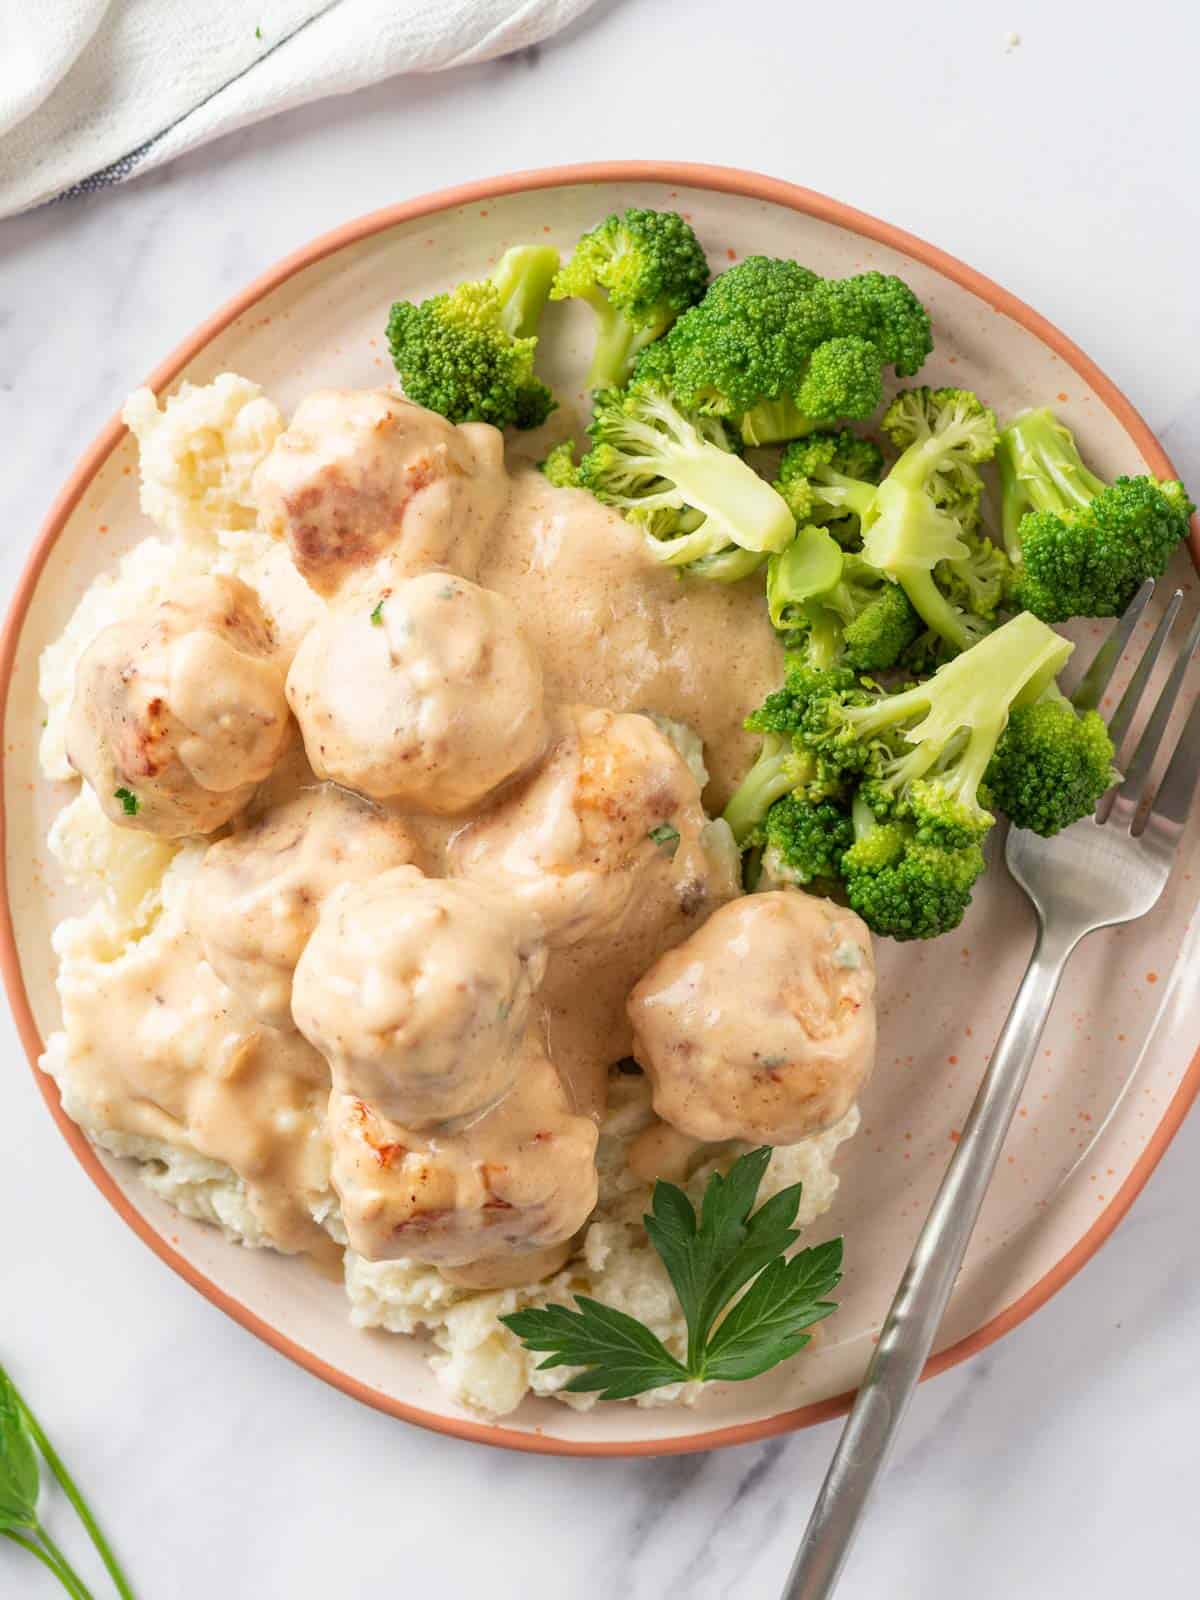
(96, 91)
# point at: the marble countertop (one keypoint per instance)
(1063, 1460)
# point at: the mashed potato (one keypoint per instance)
(199, 453)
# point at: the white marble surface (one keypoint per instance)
(1061, 1462)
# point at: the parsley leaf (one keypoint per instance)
(710, 1259)
(18, 1465)
(377, 615)
(130, 804)
(666, 837)
(21, 1441)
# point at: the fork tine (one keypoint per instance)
(1090, 689)
(1118, 727)
(1147, 748)
(1178, 788)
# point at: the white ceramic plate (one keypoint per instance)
(1117, 1072)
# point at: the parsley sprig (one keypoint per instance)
(21, 1440)
(710, 1260)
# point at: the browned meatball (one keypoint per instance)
(425, 692)
(255, 899)
(612, 817)
(417, 991)
(761, 1026)
(513, 1183)
(363, 473)
(180, 713)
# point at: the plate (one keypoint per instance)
(1116, 1073)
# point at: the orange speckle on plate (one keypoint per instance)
(955, 1135)
(545, 227)
(1023, 1111)
(1061, 395)
(953, 1060)
(970, 1032)
(732, 254)
(483, 213)
(1152, 977)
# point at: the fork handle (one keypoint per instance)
(911, 1326)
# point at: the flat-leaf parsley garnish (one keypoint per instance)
(130, 804)
(377, 615)
(665, 837)
(710, 1259)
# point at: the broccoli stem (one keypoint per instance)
(932, 606)
(771, 777)
(729, 492)
(850, 495)
(862, 819)
(774, 421)
(618, 342)
(522, 279)
(1040, 470)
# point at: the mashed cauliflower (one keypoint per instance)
(198, 455)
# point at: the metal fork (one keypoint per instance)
(1107, 869)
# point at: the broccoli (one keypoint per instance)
(923, 752)
(784, 764)
(835, 608)
(1051, 766)
(779, 352)
(560, 468)
(906, 532)
(829, 461)
(1080, 547)
(902, 886)
(979, 582)
(805, 841)
(468, 354)
(679, 475)
(637, 272)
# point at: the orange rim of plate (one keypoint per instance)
(724, 180)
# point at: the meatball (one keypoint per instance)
(509, 1187)
(254, 901)
(426, 693)
(417, 991)
(761, 1026)
(180, 713)
(612, 817)
(362, 473)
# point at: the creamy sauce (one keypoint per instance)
(163, 1048)
(615, 628)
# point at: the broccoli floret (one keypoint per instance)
(679, 475)
(560, 467)
(1051, 765)
(906, 533)
(468, 354)
(901, 886)
(979, 582)
(824, 477)
(1080, 547)
(835, 608)
(637, 271)
(804, 841)
(924, 751)
(784, 764)
(778, 351)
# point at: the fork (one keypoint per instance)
(1103, 870)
